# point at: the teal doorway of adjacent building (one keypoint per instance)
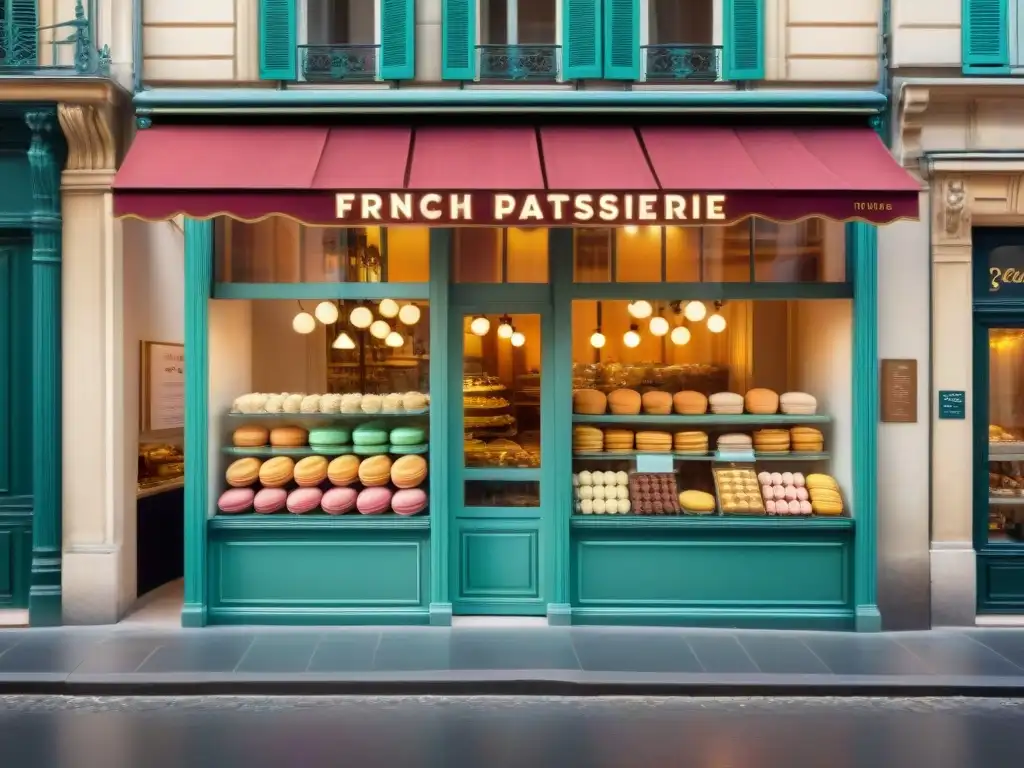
(500, 489)
(15, 420)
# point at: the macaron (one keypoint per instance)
(410, 501)
(408, 436)
(338, 501)
(303, 500)
(235, 500)
(270, 500)
(373, 501)
(371, 433)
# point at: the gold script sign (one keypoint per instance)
(999, 277)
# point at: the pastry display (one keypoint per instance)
(489, 422)
(726, 403)
(370, 434)
(288, 437)
(373, 501)
(242, 473)
(375, 471)
(409, 501)
(738, 491)
(606, 376)
(798, 403)
(343, 471)
(250, 436)
(735, 442)
(330, 403)
(654, 493)
(807, 440)
(654, 442)
(587, 439)
(500, 453)
(310, 404)
(270, 500)
(601, 493)
(589, 401)
(624, 402)
(690, 403)
(761, 401)
(338, 501)
(690, 442)
(277, 472)
(485, 403)
(771, 440)
(408, 472)
(825, 496)
(656, 403)
(235, 500)
(475, 384)
(310, 471)
(287, 402)
(697, 503)
(414, 402)
(784, 493)
(619, 440)
(303, 500)
(407, 436)
(328, 439)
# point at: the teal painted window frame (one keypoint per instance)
(986, 37)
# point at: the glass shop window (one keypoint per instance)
(492, 255)
(280, 250)
(687, 22)
(512, 22)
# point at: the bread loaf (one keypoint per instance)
(657, 403)
(589, 401)
(624, 402)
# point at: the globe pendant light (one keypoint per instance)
(343, 341)
(517, 339)
(659, 326)
(361, 317)
(695, 311)
(394, 340)
(505, 328)
(388, 308)
(716, 323)
(379, 329)
(680, 335)
(303, 322)
(632, 338)
(641, 310)
(326, 312)
(409, 314)
(480, 325)
(598, 339)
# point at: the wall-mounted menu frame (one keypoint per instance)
(161, 386)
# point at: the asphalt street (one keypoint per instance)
(500, 732)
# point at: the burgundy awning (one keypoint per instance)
(536, 176)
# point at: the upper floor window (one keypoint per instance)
(518, 40)
(993, 37)
(682, 41)
(18, 23)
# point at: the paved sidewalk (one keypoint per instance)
(549, 661)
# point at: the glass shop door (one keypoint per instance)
(500, 497)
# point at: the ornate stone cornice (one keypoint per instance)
(913, 105)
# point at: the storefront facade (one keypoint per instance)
(503, 363)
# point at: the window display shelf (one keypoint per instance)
(267, 451)
(333, 417)
(995, 457)
(319, 521)
(707, 419)
(709, 521)
(1006, 501)
(631, 455)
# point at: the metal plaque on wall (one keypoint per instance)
(899, 391)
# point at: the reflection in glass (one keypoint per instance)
(1006, 434)
(492, 255)
(502, 493)
(807, 251)
(501, 390)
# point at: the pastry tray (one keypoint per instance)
(748, 467)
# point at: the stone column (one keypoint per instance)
(45, 587)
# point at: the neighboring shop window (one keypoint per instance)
(807, 251)
(279, 250)
(1006, 434)
(763, 387)
(491, 255)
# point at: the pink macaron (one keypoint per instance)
(410, 501)
(303, 500)
(235, 500)
(373, 501)
(769, 507)
(338, 501)
(270, 500)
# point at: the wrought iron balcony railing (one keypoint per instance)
(65, 47)
(338, 63)
(520, 63)
(683, 63)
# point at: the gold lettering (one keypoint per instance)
(994, 274)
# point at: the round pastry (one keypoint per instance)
(235, 500)
(790, 491)
(292, 404)
(609, 477)
(726, 403)
(414, 401)
(776, 478)
(697, 501)
(798, 479)
(764, 478)
(288, 437)
(311, 471)
(303, 500)
(769, 506)
(625, 402)
(328, 437)
(586, 477)
(799, 403)
(623, 506)
(575, 480)
(343, 471)
(761, 401)
(600, 507)
(270, 500)
(375, 471)
(371, 403)
(690, 403)
(338, 501)
(589, 401)
(392, 403)
(310, 404)
(599, 492)
(409, 501)
(330, 403)
(242, 473)
(350, 403)
(586, 492)
(371, 433)
(587, 507)
(794, 507)
(767, 492)
(801, 493)
(656, 403)
(621, 478)
(274, 404)
(373, 501)
(408, 472)
(408, 436)
(805, 507)
(277, 472)
(250, 436)
(778, 492)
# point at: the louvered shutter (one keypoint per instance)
(581, 39)
(985, 37)
(458, 40)
(278, 41)
(744, 39)
(21, 32)
(397, 39)
(622, 39)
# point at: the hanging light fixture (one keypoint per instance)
(641, 310)
(303, 322)
(598, 339)
(632, 337)
(409, 314)
(361, 317)
(680, 335)
(380, 329)
(326, 312)
(659, 326)
(517, 339)
(480, 325)
(630, 229)
(388, 308)
(716, 323)
(505, 328)
(695, 311)
(394, 340)
(343, 341)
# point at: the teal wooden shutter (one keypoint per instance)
(397, 39)
(458, 40)
(581, 39)
(622, 39)
(985, 37)
(744, 39)
(22, 23)
(278, 40)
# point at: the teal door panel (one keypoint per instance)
(501, 517)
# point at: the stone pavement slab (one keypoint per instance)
(548, 660)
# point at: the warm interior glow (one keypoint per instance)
(695, 311)
(304, 323)
(659, 326)
(716, 323)
(518, 339)
(680, 335)
(361, 317)
(409, 314)
(379, 329)
(326, 312)
(640, 309)
(394, 339)
(631, 338)
(343, 341)
(388, 308)
(480, 325)
(505, 331)
(597, 339)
